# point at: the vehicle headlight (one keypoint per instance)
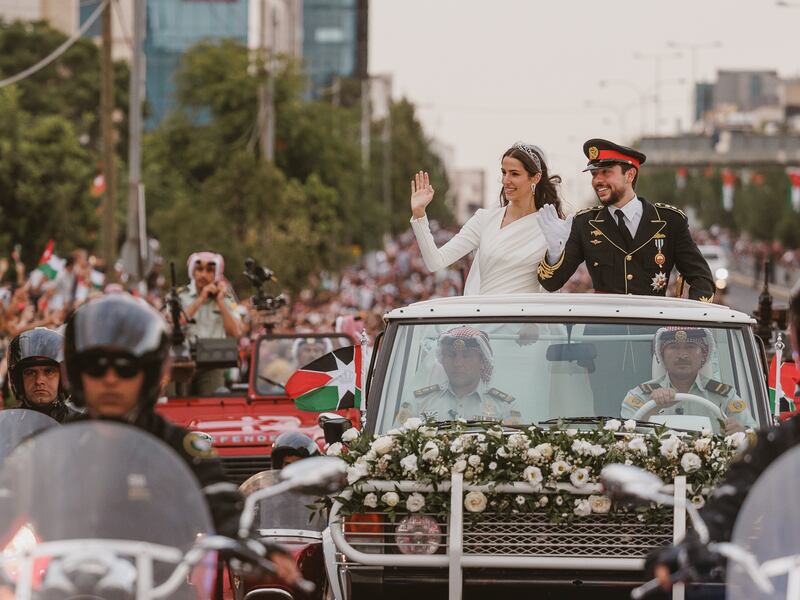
(418, 534)
(721, 273)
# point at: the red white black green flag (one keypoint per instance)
(331, 382)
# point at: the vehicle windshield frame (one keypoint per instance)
(378, 378)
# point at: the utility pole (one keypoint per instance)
(135, 252)
(266, 89)
(657, 58)
(109, 229)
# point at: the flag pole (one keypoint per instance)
(364, 367)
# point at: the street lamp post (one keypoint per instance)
(657, 58)
(643, 98)
(693, 49)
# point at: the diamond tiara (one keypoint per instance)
(529, 150)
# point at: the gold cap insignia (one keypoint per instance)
(681, 336)
(593, 153)
(459, 344)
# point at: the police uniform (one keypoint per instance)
(223, 498)
(662, 241)
(721, 394)
(441, 403)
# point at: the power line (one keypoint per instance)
(58, 51)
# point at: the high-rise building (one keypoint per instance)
(334, 42)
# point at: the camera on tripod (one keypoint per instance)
(259, 276)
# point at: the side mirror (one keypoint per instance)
(318, 475)
(333, 426)
(623, 482)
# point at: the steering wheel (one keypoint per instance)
(649, 408)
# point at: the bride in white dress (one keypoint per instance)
(508, 238)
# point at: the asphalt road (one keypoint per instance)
(743, 295)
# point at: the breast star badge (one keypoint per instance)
(659, 281)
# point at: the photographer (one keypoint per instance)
(210, 304)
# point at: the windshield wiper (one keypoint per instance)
(272, 382)
(476, 422)
(593, 420)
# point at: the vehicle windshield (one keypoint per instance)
(278, 513)
(280, 356)
(97, 482)
(527, 373)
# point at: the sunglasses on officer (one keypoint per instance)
(97, 365)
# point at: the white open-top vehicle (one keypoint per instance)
(573, 361)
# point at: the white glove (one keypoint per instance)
(555, 230)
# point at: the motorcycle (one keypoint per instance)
(102, 510)
(762, 558)
(288, 524)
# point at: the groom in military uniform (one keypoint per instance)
(467, 358)
(629, 244)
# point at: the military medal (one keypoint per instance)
(660, 258)
(659, 281)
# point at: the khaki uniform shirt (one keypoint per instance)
(721, 394)
(208, 319)
(440, 402)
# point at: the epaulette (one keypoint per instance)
(634, 401)
(718, 388)
(590, 209)
(648, 388)
(672, 208)
(427, 390)
(502, 396)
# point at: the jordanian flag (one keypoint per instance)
(49, 263)
(331, 382)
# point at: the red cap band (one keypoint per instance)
(614, 155)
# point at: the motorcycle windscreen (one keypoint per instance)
(99, 480)
(280, 512)
(768, 527)
(18, 424)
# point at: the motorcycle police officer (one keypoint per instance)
(34, 367)
(721, 510)
(291, 446)
(116, 355)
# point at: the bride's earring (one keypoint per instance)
(533, 188)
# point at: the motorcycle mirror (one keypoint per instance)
(316, 475)
(333, 426)
(626, 481)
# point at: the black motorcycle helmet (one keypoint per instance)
(292, 443)
(34, 348)
(118, 323)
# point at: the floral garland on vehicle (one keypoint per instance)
(549, 460)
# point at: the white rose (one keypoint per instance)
(475, 502)
(669, 447)
(559, 500)
(390, 499)
(492, 466)
(543, 500)
(706, 432)
(502, 452)
(581, 447)
(415, 502)
(702, 445)
(335, 449)
(698, 501)
(737, 439)
(457, 445)
(409, 463)
(582, 508)
(612, 425)
(580, 477)
(559, 468)
(428, 432)
(459, 466)
(545, 450)
(596, 450)
(533, 455)
(690, 462)
(356, 472)
(412, 423)
(518, 441)
(371, 500)
(638, 444)
(394, 432)
(572, 432)
(533, 475)
(474, 460)
(601, 505)
(430, 451)
(350, 435)
(383, 444)
(496, 433)
(520, 499)
(629, 425)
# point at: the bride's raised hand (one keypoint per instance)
(421, 194)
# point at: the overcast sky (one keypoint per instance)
(485, 73)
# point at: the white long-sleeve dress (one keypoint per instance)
(507, 258)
